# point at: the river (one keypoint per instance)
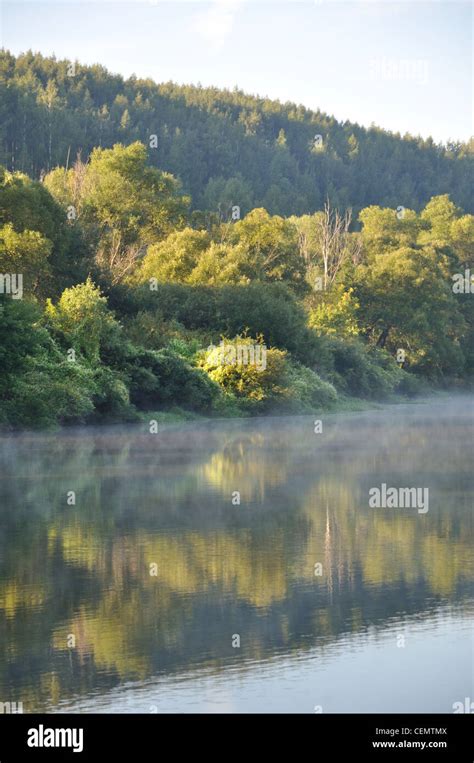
(237, 566)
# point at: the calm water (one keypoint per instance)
(135, 598)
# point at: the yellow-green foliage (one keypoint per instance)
(336, 314)
(173, 259)
(277, 379)
(260, 247)
(26, 253)
(249, 380)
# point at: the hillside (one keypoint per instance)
(120, 299)
(224, 146)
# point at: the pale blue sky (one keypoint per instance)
(406, 66)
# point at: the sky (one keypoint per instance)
(405, 66)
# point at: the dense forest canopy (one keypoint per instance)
(225, 146)
(148, 231)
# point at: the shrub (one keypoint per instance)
(158, 378)
(246, 379)
(39, 387)
(411, 385)
(150, 330)
(362, 371)
(49, 392)
(267, 309)
(20, 336)
(282, 383)
(306, 389)
(83, 319)
(111, 397)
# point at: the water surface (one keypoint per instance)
(157, 592)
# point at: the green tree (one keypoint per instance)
(335, 313)
(270, 248)
(26, 254)
(28, 207)
(221, 194)
(83, 319)
(386, 229)
(174, 258)
(123, 204)
(407, 303)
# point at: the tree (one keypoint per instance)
(174, 258)
(407, 303)
(336, 313)
(123, 205)
(269, 248)
(446, 228)
(221, 194)
(326, 244)
(221, 264)
(25, 253)
(28, 207)
(439, 215)
(83, 319)
(206, 134)
(38, 386)
(461, 241)
(19, 337)
(386, 229)
(48, 97)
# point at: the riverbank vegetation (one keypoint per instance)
(117, 287)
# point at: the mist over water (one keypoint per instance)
(333, 601)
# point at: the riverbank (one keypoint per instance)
(178, 415)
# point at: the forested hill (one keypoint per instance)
(224, 146)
